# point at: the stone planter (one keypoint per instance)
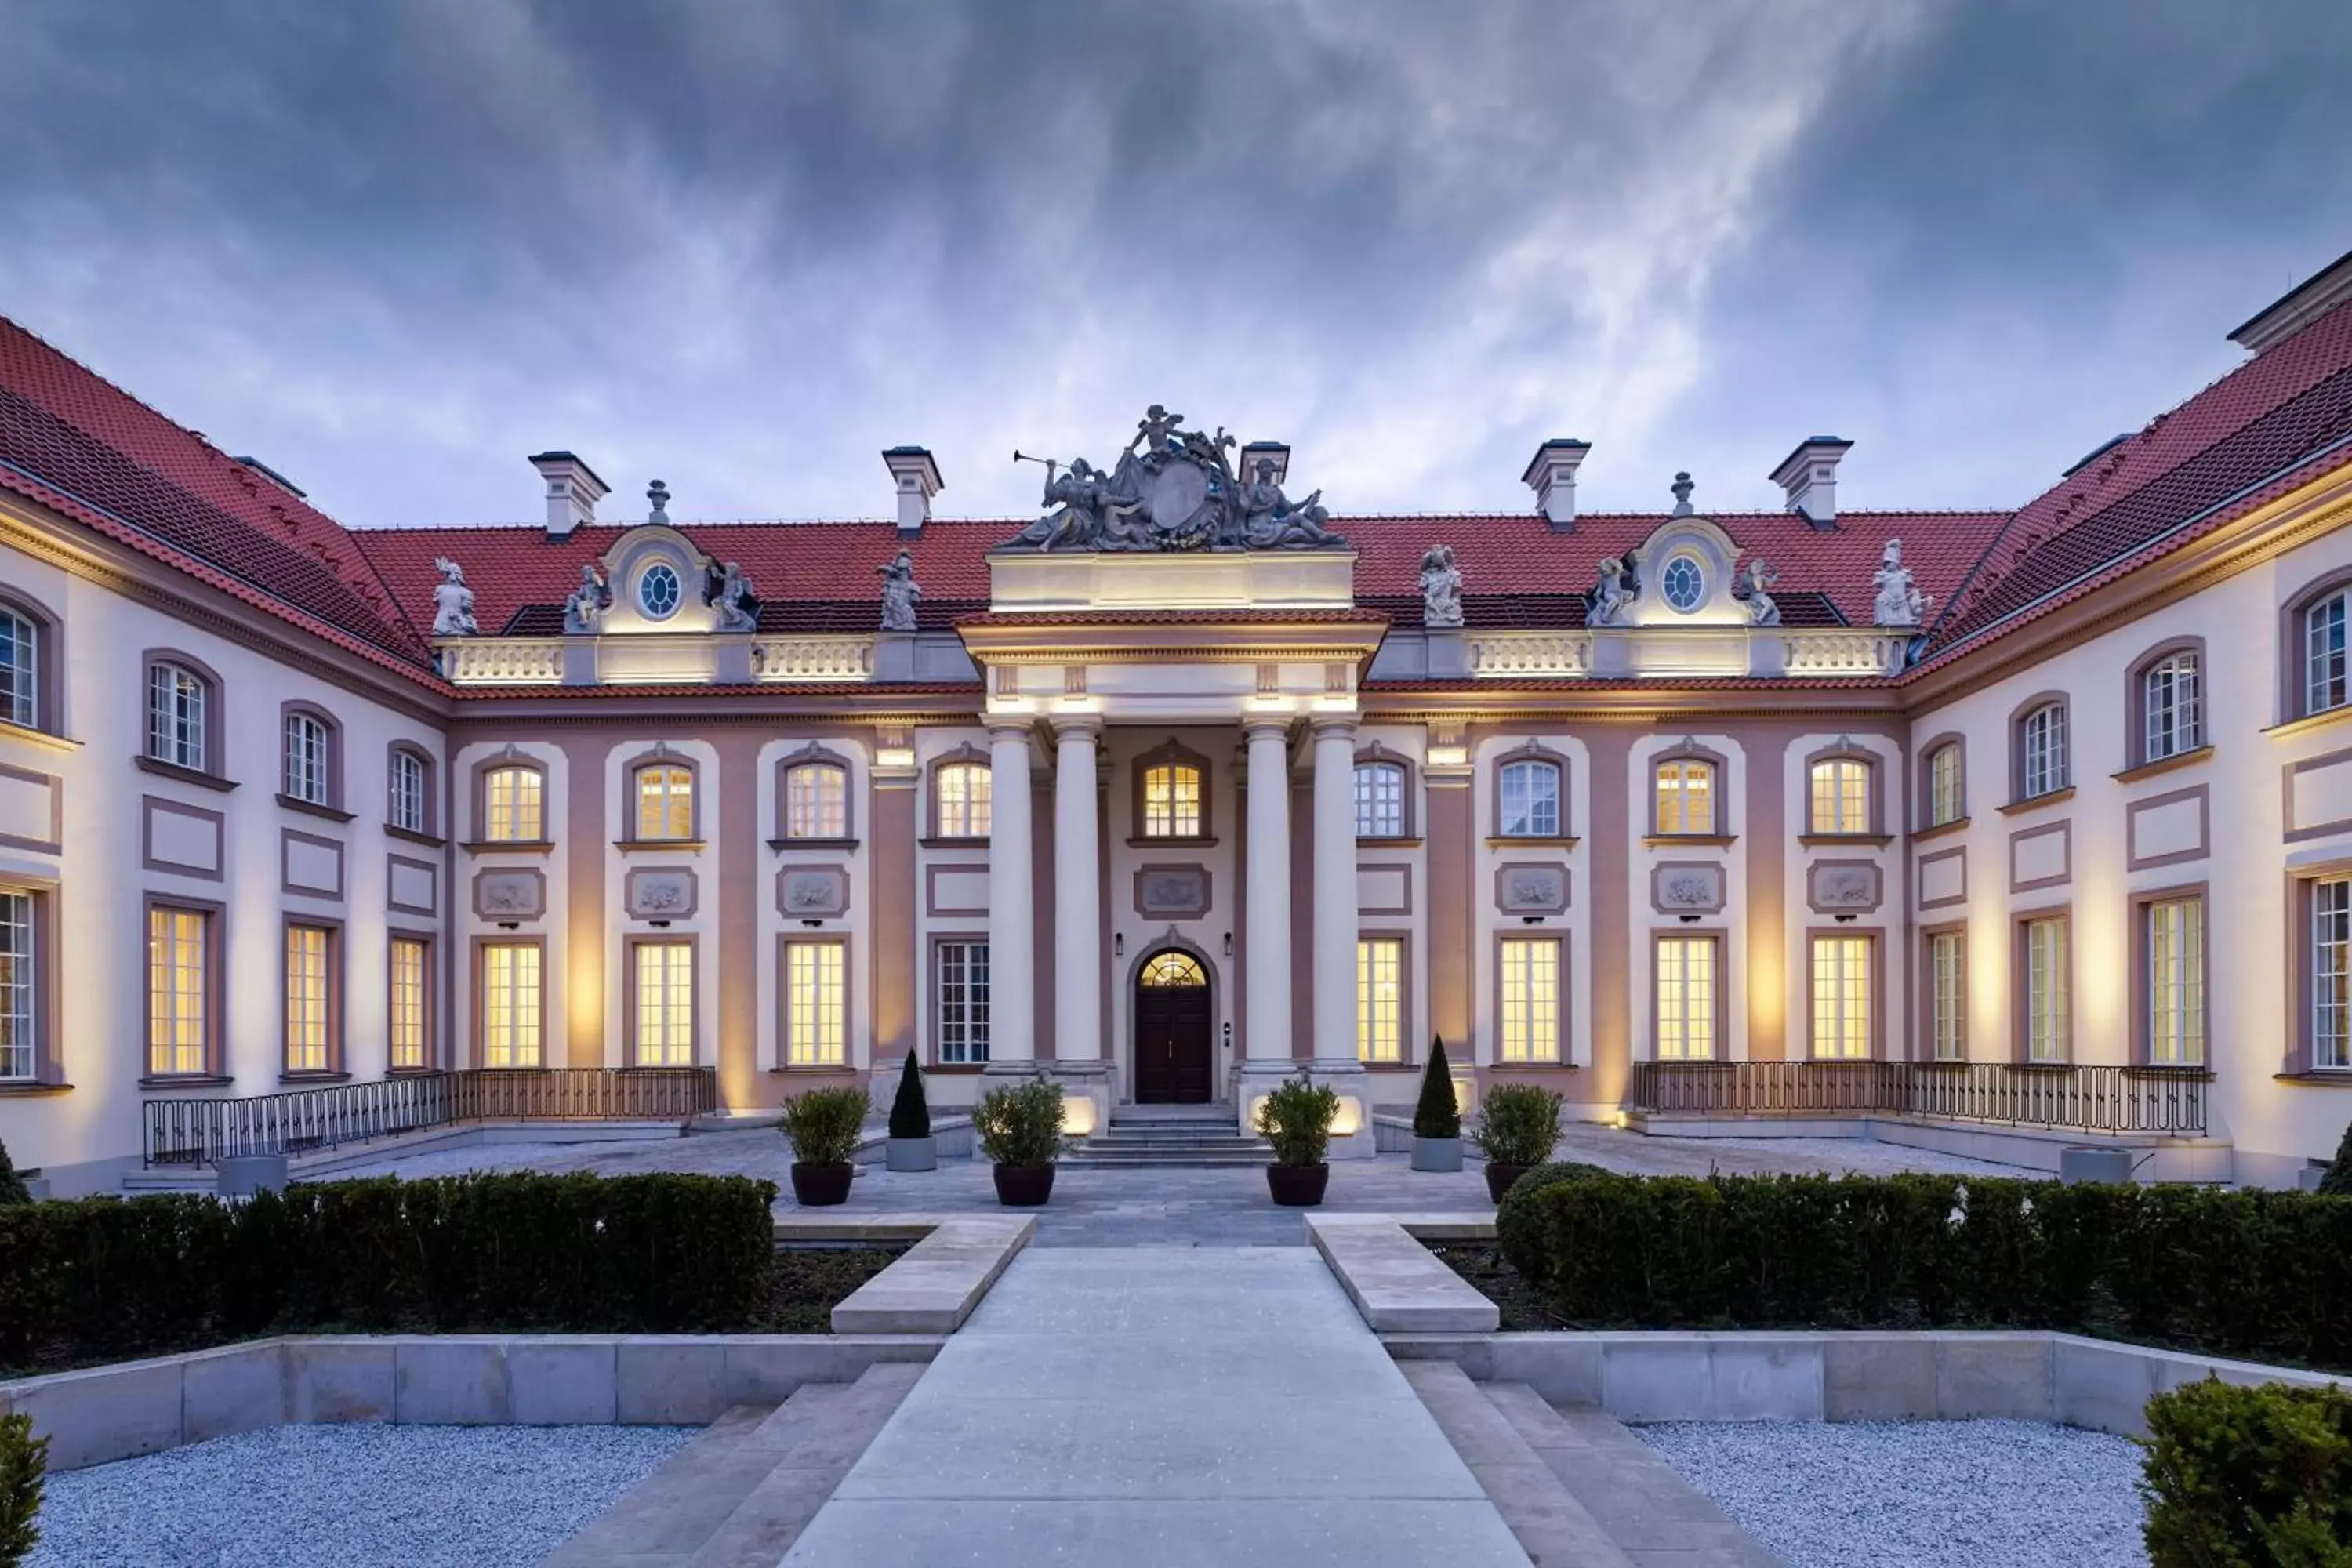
(1436, 1153)
(1500, 1177)
(1024, 1186)
(821, 1186)
(911, 1155)
(1297, 1186)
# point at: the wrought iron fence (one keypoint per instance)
(303, 1121)
(2081, 1099)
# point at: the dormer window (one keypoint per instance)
(1683, 583)
(659, 592)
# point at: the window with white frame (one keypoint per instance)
(1685, 796)
(2331, 972)
(1529, 797)
(308, 761)
(665, 801)
(665, 1021)
(179, 981)
(514, 805)
(405, 802)
(1172, 800)
(20, 995)
(1380, 800)
(1948, 980)
(1379, 999)
(309, 1000)
(960, 796)
(1685, 985)
(20, 669)
(510, 1003)
(1840, 796)
(2046, 988)
(408, 1005)
(961, 980)
(2042, 760)
(2324, 683)
(1528, 1007)
(2172, 718)
(1842, 996)
(175, 715)
(2176, 982)
(816, 801)
(817, 1021)
(1946, 795)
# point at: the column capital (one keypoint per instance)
(1006, 726)
(1067, 726)
(1265, 723)
(1341, 725)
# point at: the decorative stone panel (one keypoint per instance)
(1171, 892)
(510, 893)
(1384, 889)
(1843, 887)
(812, 892)
(1687, 887)
(660, 893)
(1531, 887)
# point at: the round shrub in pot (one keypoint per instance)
(1437, 1116)
(911, 1147)
(1296, 1117)
(1020, 1131)
(1518, 1126)
(823, 1126)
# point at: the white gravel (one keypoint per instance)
(1926, 1494)
(352, 1496)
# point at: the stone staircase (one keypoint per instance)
(1166, 1135)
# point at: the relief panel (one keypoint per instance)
(1171, 892)
(660, 892)
(510, 893)
(1843, 887)
(1531, 887)
(812, 892)
(1686, 887)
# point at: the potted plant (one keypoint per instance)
(1296, 1117)
(1020, 1131)
(1437, 1116)
(1517, 1126)
(911, 1147)
(823, 1126)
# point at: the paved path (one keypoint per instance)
(1161, 1409)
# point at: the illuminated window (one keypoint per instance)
(308, 1002)
(1172, 800)
(1530, 1002)
(409, 1009)
(1379, 999)
(1686, 982)
(20, 669)
(307, 758)
(1172, 968)
(513, 806)
(2324, 684)
(1685, 796)
(963, 982)
(179, 981)
(176, 716)
(19, 975)
(2172, 716)
(2042, 762)
(1840, 795)
(1380, 800)
(2176, 982)
(1842, 996)
(2045, 989)
(961, 791)
(1531, 800)
(816, 1026)
(2331, 972)
(665, 801)
(1947, 979)
(816, 801)
(405, 805)
(665, 1022)
(511, 1012)
(1945, 785)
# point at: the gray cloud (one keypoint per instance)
(391, 247)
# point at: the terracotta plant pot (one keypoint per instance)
(1297, 1186)
(1436, 1153)
(1024, 1186)
(1500, 1177)
(819, 1186)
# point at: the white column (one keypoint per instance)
(1012, 902)
(1077, 896)
(1335, 892)
(1265, 1020)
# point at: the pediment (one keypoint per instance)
(1689, 569)
(657, 576)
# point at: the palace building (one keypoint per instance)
(1995, 832)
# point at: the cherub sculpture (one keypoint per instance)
(453, 602)
(1440, 588)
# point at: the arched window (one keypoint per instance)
(310, 758)
(20, 668)
(408, 794)
(1947, 785)
(665, 801)
(1528, 795)
(959, 797)
(816, 801)
(1685, 796)
(514, 804)
(2324, 684)
(177, 715)
(1172, 968)
(2172, 707)
(1172, 800)
(1840, 796)
(1380, 800)
(2042, 762)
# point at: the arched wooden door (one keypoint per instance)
(1173, 1046)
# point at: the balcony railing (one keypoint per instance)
(305, 1120)
(2075, 1098)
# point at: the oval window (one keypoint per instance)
(1683, 583)
(657, 592)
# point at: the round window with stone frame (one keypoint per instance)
(1683, 583)
(658, 591)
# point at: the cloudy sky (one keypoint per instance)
(390, 246)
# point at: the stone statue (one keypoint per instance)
(659, 494)
(1272, 523)
(1440, 588)
(583, 612)
(900, 594)
(1683, 487)
(1613, 596)
(453, 602)
(1090, 515)
(1154, 432)
(1760, 578)
(1172, 489)
(1900, 604)
(727, 590)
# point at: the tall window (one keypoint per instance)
(405, 809)
(1946, 787)
(1686, 982)
(307, 758)
(176, 716)
(1840, 795)
(1529, 1004)
(514, 805)
(1842, 996)
(2331, 972)
(2172, 709)
(1531, 800)
(2045, 989)
(409, 1004)
(178, 977)
(665, 1032)
(510, 1013)
(2042, 765)
(19, 979)
(2176, 982)
(20, 670)
(962, 791)
(1379, 999)
(1380, 800)
(666, 801)
(2324, 685)
(1947, 979)
(308, 1005)
(1172, 800)
(963, 982)
(816, 1032)
(816, 801)
(1685, 796)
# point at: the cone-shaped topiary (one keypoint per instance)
(1439, 1113)
(910, 1113)
(12, 1186)
(2338, 1179)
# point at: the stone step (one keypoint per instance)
(1188, 1141)
(818, 1451)
(1169, 1159)
(1163, 1115)
(1551, 1526)
(664, 1518)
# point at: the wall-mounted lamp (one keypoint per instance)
(510, 925)
(1845, 920)
(1119, 944)
(1229, 1034)
(659, 925)
(1532, 920)
(1687, 919)
(812, 924)
(1229, 952)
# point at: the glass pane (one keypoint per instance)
(18, 976)
(1173, 968)
(665, 803)
(1379, 999)
(19, 671)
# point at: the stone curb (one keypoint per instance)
(934, 1288)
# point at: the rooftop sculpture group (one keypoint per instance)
(1174, 490)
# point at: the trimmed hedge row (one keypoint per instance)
(2266, 1275)
(2248, 1478)
(97, 1278)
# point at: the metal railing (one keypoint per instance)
(2081, 1098)
(305, 1120)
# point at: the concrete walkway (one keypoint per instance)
(1162, 1408)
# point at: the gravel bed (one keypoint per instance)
(1925, 1494)
(353, 1496)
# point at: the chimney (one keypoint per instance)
(918, 481)
(1275, 452)
(573, 491)
(1551, 474)
(1809, 475)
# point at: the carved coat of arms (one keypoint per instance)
(1174, 489)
